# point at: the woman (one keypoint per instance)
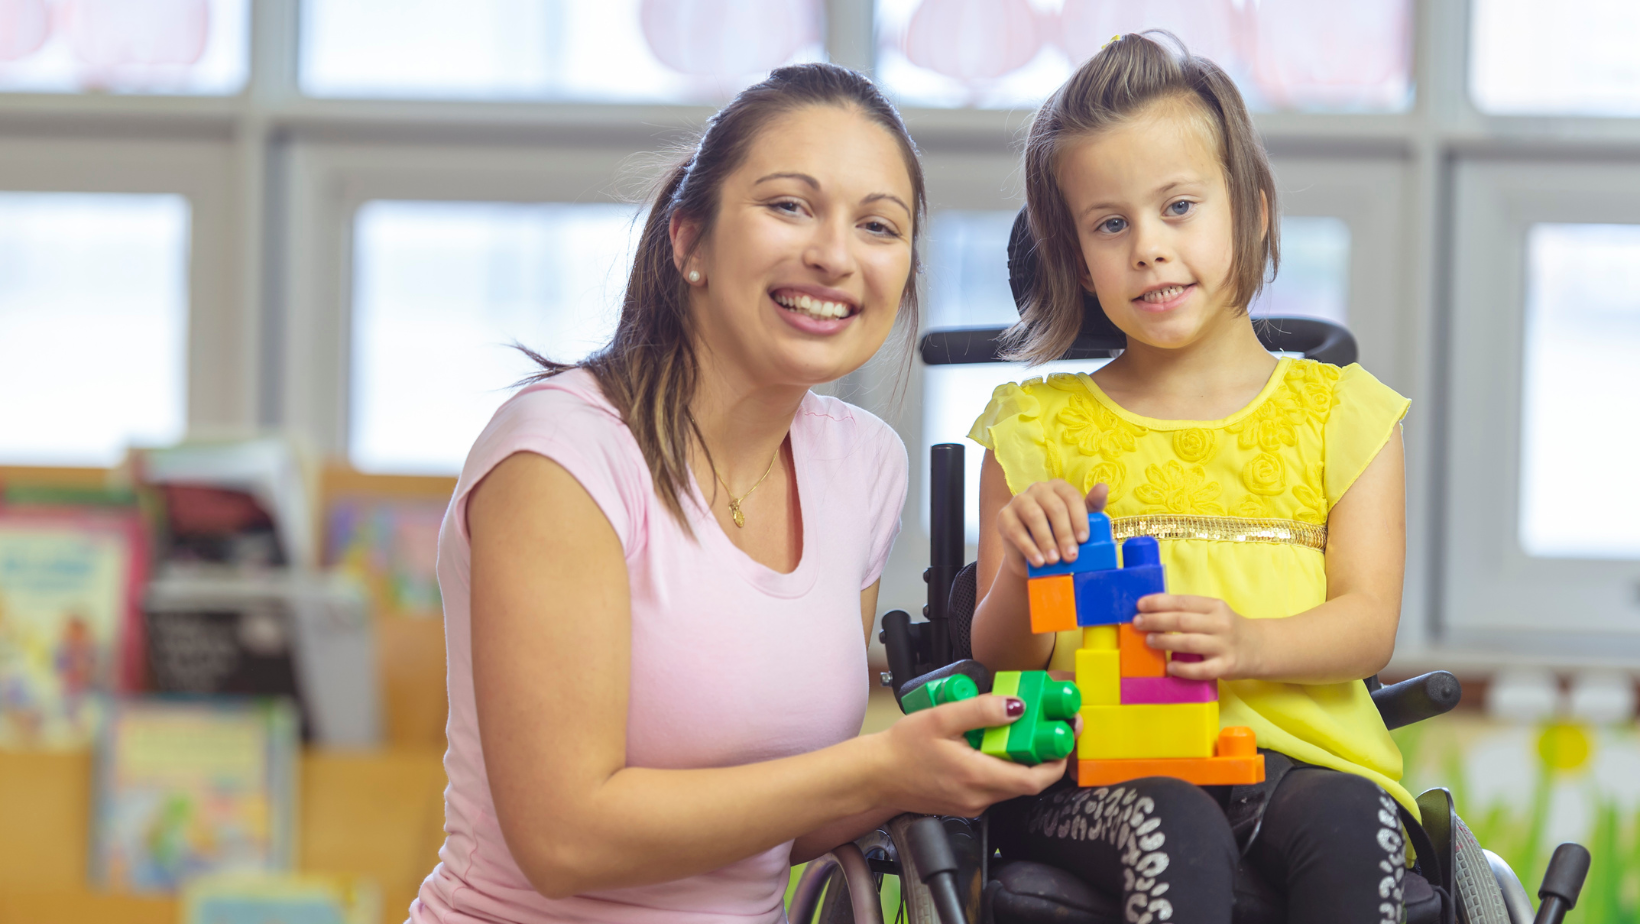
(653, 563)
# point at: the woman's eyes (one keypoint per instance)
(881, 228)
(789, 206)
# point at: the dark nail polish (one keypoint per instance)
(1016, 707)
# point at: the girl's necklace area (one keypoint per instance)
(735, 502)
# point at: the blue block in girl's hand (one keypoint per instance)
(1097, 554)
(1105, 598)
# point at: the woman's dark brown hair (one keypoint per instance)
(648, 371)
(1125, 78)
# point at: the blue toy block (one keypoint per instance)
(1110, 597)
(1097, 554)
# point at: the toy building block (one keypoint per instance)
(1138, 658)
(1149, 730)
(950, 689)
(1101, 638)
(1108, 597)
(1044, 732)
(1097, 554)
(1099, 676)
(1236, 762)
(1053, 603)
(1164, 689)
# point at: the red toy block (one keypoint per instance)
(1168, 690)
(1139, 659)
(1053, 603)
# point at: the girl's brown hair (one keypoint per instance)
(1126, 77)
(648, 371)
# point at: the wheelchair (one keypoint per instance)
(948, 871)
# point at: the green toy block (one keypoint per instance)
(951, 689)
(1044, 732)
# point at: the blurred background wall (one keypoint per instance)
(260, 261)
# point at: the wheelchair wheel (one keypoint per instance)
(1479, 898)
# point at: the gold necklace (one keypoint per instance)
(735, 502)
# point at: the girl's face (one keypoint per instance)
(1152, 214)
(811, 251)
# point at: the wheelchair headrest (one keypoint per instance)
(1023, 266)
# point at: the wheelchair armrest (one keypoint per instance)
(977, 672)
(1415, 700)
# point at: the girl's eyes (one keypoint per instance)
(1180, 208)
(1113, 225)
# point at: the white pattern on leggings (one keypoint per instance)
(1119, 816)
(1395, 860)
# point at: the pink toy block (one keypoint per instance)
(1168, 690)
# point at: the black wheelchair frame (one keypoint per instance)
(944, 864)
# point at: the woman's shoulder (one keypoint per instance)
(560, 417)
(835, 426)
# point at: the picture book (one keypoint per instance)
(391, 546)
(190, 787)
(69, 587)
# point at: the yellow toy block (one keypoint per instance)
(995, 741)
(1099, 676)
(1053, 603)
(1102, 638)
(1148, 730)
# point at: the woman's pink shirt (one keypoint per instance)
(732, 662)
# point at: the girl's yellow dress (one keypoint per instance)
(1240, 508)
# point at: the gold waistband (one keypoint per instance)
(1223, 529)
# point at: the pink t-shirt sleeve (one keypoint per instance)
(887, 497)
(576, 431)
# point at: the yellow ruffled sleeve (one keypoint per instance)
(1361, 422)
(1011, 427)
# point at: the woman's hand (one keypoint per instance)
(928, 767)
(1046, 522)
(1230, 645)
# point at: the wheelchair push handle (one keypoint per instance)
(1562, 882)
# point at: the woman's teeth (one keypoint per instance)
(1162, 295)
(813, 307)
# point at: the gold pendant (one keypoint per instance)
(737, 516)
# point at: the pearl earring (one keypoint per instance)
(694, 275)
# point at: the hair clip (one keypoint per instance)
(1113, 40)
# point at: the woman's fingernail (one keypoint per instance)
(1016, 707)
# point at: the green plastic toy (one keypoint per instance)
(1042, 734)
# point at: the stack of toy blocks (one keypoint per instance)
(1042, 734)
(1137, 721)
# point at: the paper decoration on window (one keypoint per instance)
(728, 38)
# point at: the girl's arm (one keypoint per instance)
(1044, 523)
(1349, 637)
(551, 648)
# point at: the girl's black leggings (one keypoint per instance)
(1331, 842)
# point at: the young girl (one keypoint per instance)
(1275, 487)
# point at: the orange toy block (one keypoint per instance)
(1053, 603)
(1237, 762)
(1203, 771)
(1138, 659)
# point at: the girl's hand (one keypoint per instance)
(930, 769)
(1046, 522)
(1230, 645)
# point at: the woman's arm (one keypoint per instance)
(1349, 637)
(1044, 523)
(551, 643)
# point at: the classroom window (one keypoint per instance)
(1581, 54)
(668, 50)
(1314, 278)
(93, 325)
(440, 292)
(124, 46)
(1580, 428)
(1341, 56)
